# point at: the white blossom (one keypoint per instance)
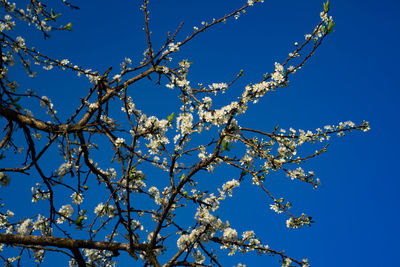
(230, 234)
(105, 210)
(25, 227)
(173, 47)
(185, 123)
(119, 142)
(77, 198)
(65, 211)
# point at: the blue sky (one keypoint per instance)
(353, 76)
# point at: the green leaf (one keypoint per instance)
(330, 26)
(68, 27)
(14, 103)
(326, 6)
(79, 220)
(18, 107)
(171, 117)
(226, 146)
(54, 16)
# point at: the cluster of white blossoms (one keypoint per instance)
(42, 224)
(298, 222)
(276, 207)
(213, 201)
(184, 123)
(93, 76)
(173, 47)
(130, 106)
(230, 234)
(155, 194)
(125, 64)
(178, 79)
(38, 254)
(107, 120)
(136, 181)
(105, 210)
(4, 224)
(198, 256)
(219, 116)
(288, 143)
(93, 106)
(65, 211)
(154, 130)
(25, 227)
(216, 87)
(111, 173)
(248, 242)
(46, 102)
(277, 76)
(7, 24)
(251, 2)
(209, 226)
(299, 173)
(21, 42)
(213, 223)
(39, 194)
(162, 165)
(279, 207)
(256, 91)
(137, 225)
(326, 25)
(63, 169)
(184, 66)
(77, 198)
(119, 142)
(97, 258)
(203, 155)
(286, 262)
(248, 159)
(11, 259)
(229, 186)
(180, 82)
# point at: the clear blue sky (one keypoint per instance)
(353, 76)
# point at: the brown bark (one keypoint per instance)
(66, 243)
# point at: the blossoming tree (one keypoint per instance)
(113, 206)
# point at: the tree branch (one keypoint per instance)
(78, 257)
(71, 244)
